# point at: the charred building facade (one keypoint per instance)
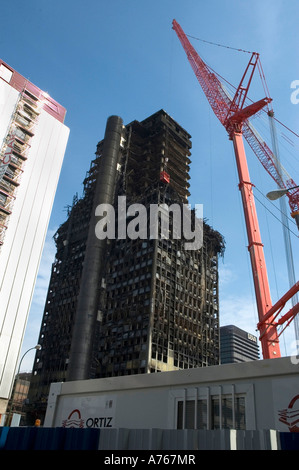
(124, 305)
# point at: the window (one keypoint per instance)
(202, 415)
(240, 413)
(2, 200)
(190, 414)
(217, 412)
(21, 134)
(227, 413)
(180, 411)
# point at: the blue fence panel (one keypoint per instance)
(289, 440)
(3, 436)
(50, 439)
(20, 438)
(35, 438)
(82, 439)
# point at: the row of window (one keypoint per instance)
(225, 412)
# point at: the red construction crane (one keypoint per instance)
(234, 116)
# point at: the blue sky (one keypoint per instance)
(99, 58)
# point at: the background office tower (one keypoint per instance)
(33, 139)
(237, 345)
(134, 305)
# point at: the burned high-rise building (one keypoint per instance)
(130, 303)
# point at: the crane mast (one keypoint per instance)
(234, 117)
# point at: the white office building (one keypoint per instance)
(33, 140)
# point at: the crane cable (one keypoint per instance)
(219, 45)
(239, 50)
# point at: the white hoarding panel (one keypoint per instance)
(286, 404)
(87, 412)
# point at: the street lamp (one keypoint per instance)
(37, 347)
(273, 195)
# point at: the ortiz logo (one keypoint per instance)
(74, 420)
(290, 415)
